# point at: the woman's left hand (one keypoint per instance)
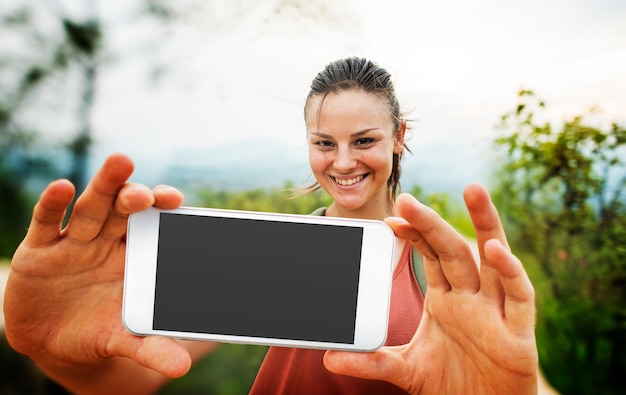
(476, 335)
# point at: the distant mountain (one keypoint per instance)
(239, 166)
(446, 167)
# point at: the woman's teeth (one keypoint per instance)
(349, 181)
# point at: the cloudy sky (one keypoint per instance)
(239, 70)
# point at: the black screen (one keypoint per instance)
(257, 278)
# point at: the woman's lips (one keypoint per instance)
(346, 182)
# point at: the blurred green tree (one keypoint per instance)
(63, 45)
(51, 57)
(562, 193)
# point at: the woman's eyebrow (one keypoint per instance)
(362, 132)
(318, 134)
(356, 134)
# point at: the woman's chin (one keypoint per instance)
(349, 204)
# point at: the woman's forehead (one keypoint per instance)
(351, 106)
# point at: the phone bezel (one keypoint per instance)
(377, 256)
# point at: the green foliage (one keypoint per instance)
(20, 375)
(84, 38)
(13, 217)
(291, 200)
(285, 200)
(561, 192)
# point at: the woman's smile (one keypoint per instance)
(347, 182)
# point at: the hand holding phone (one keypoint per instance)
(258, 278)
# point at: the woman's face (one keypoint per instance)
(351, 147)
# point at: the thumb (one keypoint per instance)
(385, 364)
(158, 353)
(165, 356)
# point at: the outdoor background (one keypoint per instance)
(526, 97)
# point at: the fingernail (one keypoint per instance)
(405, 195)
(165, 188)
(395, 220)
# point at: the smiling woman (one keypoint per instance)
(472, 332)
(356, 137)
(351, 143)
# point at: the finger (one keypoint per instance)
(165, 356)
(131, 198)
(484, 215)
(402, 229)
(453, 253)
(434, 275)
(487, 224)
(519, 294)
(387, 364)
(167, 197)
(94, 206)
(48, 214)
(158, 353)
(136, 197)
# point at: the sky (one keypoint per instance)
(239, 70)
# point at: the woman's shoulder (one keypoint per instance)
(320, 212)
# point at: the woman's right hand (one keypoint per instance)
(63, 297)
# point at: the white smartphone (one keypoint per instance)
(258, 278)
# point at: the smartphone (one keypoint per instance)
(258, 278)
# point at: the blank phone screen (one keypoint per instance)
(248, 277)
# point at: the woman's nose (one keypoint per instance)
(344, 161)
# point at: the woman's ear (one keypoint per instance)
(398, 145)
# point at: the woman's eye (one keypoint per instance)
(364, 141)
(324, 143)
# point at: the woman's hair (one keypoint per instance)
(359, 73)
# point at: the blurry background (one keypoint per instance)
(208, 96)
